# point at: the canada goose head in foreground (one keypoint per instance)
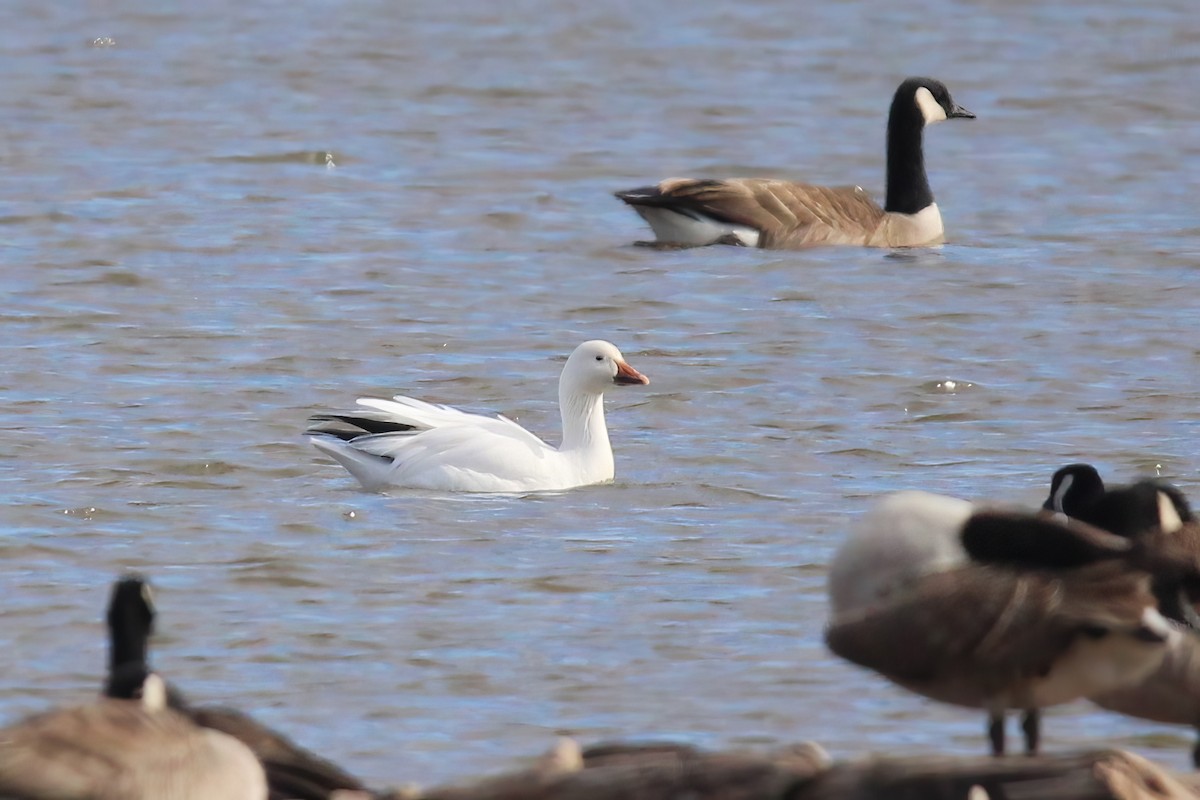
(995, 610)
(125, 750)
(291, 771)
(782, 214)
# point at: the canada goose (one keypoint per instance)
(1147, 508)
(404, 442)
(125, 750)
(990, 609)
(778, 214)
(1078, 491)
(292, 771)
(1171, 693)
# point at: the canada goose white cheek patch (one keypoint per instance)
(931, 109)
(1063, 488)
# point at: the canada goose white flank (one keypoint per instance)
(781, 214)
(990, 609)
(408, 443)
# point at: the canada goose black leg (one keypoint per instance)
(996, 732)
(1196, 751)
(1031, 724)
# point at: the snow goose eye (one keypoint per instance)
(599, 358)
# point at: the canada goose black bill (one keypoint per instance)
(292, 771)
(780, 214)
(125, 750)
(926, 592)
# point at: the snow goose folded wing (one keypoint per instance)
(408, 443)
(993, 610)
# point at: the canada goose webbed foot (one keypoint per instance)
(996, 733)
(1031, 725)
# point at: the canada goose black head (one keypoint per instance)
(1074, 486)
(918, 102)
(130, 621)
(929, 98)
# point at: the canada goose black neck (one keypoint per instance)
(907, 184)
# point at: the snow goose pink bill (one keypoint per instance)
(408, 443)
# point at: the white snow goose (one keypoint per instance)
(408, 443)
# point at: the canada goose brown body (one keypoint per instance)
(121, 750)
(992, 610)
(781, 214)
(1147, 509)
(292, 771)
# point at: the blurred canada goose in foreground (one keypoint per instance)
(408, 443)
(125, 750)
(1171, 693)
(779, 214)
(292, 771)
(993, 609)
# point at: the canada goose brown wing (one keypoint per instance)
(787, 214)
(998, 624)
(292, 771)
(118, 750)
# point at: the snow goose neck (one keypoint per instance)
(993, 609)
(408, 443)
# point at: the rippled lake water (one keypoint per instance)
(217, 221)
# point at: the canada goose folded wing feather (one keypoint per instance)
(787, 214)
(997, 624)
(1017, 538)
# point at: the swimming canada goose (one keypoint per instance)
(779, 214)
(1171, 693)
(408, 443)
(292, 771)
(125, 750)
(993, 609)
